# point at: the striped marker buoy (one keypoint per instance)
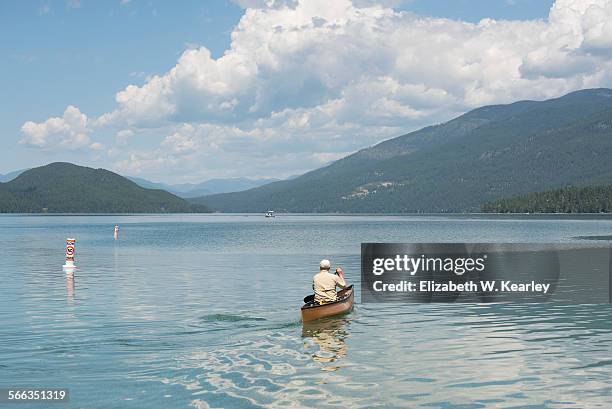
(69, 267)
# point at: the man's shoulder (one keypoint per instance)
(323, 274)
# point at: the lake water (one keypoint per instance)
(203, 311)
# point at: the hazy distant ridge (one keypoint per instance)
(209, 187)
(11, 175)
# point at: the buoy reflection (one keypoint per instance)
(70, 287)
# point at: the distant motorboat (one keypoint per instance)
(270, 213)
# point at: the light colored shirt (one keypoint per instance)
(324, 286)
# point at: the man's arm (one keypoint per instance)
(340, 281)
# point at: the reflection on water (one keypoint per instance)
(329, 335)
(70, 287)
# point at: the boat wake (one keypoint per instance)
(229, 318)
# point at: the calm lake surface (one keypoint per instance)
(203, 311)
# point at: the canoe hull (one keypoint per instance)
(311, 312)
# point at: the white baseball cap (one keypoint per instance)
(324, 264)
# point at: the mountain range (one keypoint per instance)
(489, 153)
(7, 177)
(209, 187)
(486, 155)
(184, 190)
(66, 188)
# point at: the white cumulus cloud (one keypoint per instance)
(310, 79)
(182, 141)
(123, 136)
(307, 54)
(96, 146)
(69, 131)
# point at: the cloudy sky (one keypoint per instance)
(272, 88)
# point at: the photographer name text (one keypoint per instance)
(431, 286)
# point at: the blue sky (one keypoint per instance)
(475, 10)
(83, 53)
(57, 54)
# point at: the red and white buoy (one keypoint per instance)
(69, 267)
(116, 232)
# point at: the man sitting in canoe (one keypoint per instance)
(324, 284)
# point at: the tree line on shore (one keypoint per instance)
(571, 199)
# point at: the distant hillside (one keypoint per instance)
(209, 187)
(589, 199)
(7, 177)
(228, 185)
(484, 155)
(67, 188)
(177, 189)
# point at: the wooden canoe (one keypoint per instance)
(344, 303)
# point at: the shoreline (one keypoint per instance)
(477, 215)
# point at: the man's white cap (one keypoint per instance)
(324, 265)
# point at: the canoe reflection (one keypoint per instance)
(329, 338)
